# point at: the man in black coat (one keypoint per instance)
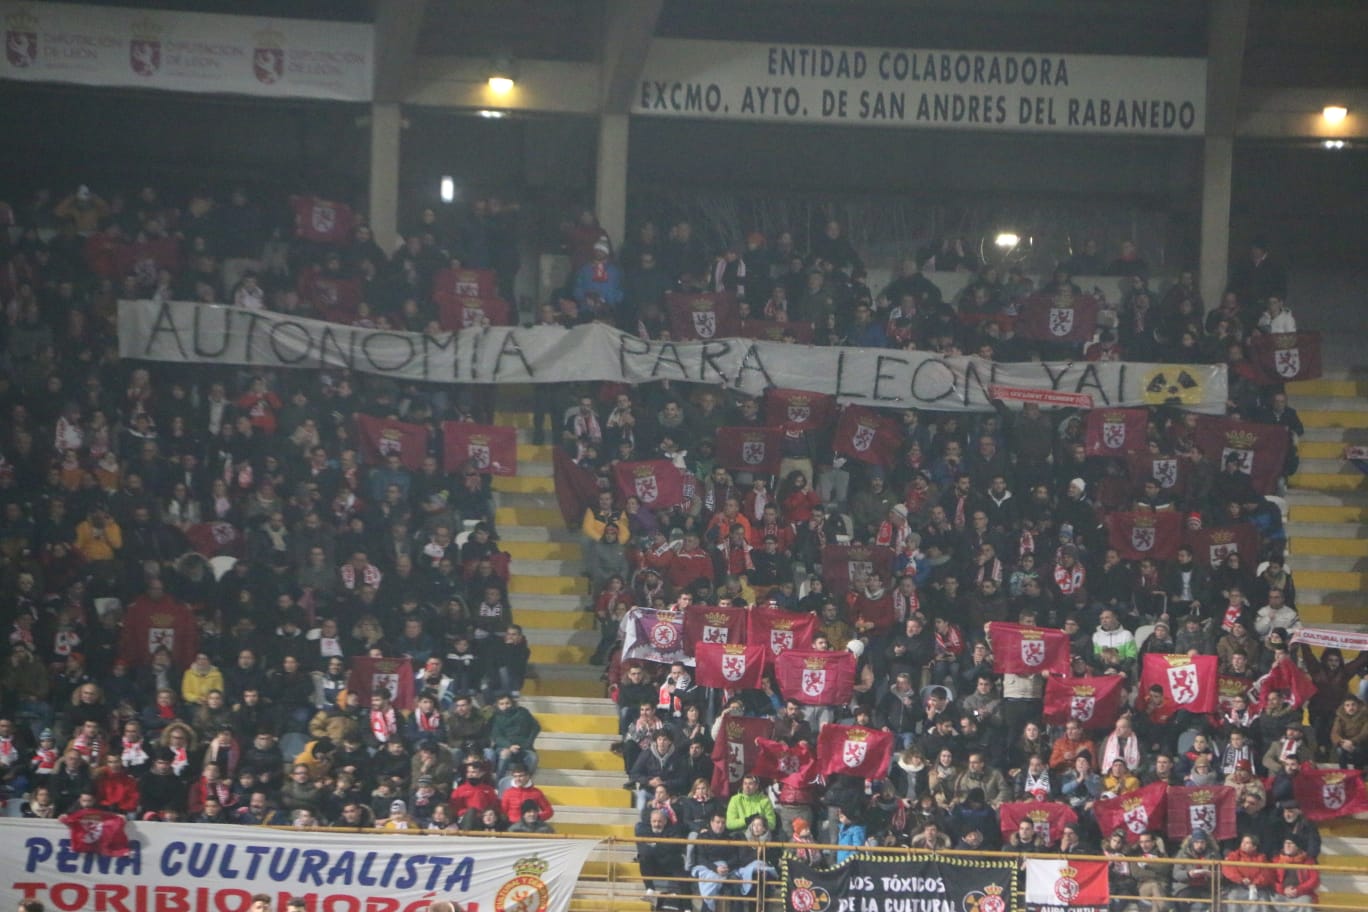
(660, 862)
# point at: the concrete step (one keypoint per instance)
(554, 567)
(616, 815)
(1330, 580)
(554, 638)
(525, 484)
(1321, 615)
(1337, 435)
(1344, 547)
(1329, 483)
(516, 534)
(604, 727)
(531, 453)
(545, 550)
(554, 603)
(1341, 417)
(571, 741)
(1318, 532)
(1329, 513)
(561, 687)
(602, 760)
(548, 517)
(1326, 387)
(587, 797)
(1331, 466)
(578, 706)
(1321, 449)
(579, 778)
(513, 419)
(1308, 562)
(567, 620)
(547, 585)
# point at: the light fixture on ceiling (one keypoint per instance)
(448, 189)
(492, 115)
(1332, 144)
(502, 75)
(1007, 240)
(1334, 114)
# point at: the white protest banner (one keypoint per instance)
(882, 378)
(907, 87)
(187, 52)
(217, 868)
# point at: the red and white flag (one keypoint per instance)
(393, 677)
(1067, 882)
(465, 283)
(1028, 650)
(853, 750)
(1115, 431)
(1286, 677)
(653, 635)
(1261, 449)
(1145, 533)
(1170, 471)
(867, 436)
(843, 564)
(322, 221)
(736, 749)
(798, 409)
(144, 259)
(747, 449)
(795, 766)
(816, 678)
(1189, 682)
(331, 298)
(1203, 807)
(1048, 818)
(1136, 812)
(712, 624)
(1325, 794)
(778, 630)
(657, 483)
(1055, 318)
(776, 330)
(457, 313)
(1214, 544)
(488, 448)
(729, 667)
(1094, 702)
(380, 438)
(1284, 357)
(98, 832)
(702, 316)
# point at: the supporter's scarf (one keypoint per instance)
(382, 724)
(180, 761)
(428, 721)
(133, 753)
(9, 754)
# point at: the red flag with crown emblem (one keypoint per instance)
(1325, 794)
(1171, 472)
(393, 677)
(816, 678)
(729, 666)
(713, 624)
(1213, 544)
(490, 449)
(657, 483)
(1048, 818)
(97, 832)
(1094, 702)
(778, 630)
(747, 449)
(702, 316)
(1022, 650)
(1140, 811)
(465, 283)
(843, 564)
(380, 438)
(1189, 682)
(1145, 533)
(1115, 431)
(1203, 807)
(795, 765)
(736, 749)
(867, 436)
(322, 221)
(457, 313)
(853, 750)
(798, 409)
(1058, 318)
(1284, 357)
(336, 299)
(1260, 449)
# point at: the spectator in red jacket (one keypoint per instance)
(1295, 885)
(115, 789)
(522, 790)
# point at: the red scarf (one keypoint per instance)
(904, 606)
(428, 721)
(181, 761)
(1068, 581)
(382, 724)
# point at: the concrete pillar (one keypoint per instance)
(1218, 153)
(610, 176)
(386, 133)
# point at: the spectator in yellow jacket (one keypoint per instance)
(201, 677)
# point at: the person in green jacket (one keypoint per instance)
(748, 802)
(513, 732)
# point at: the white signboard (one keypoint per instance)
(186, 52)
(905, 87)
(881, 378)
(218, 868)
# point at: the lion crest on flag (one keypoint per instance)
(1033, 652)
(1061, 321)
(734, 666)
(814, 681)
(1183, 684)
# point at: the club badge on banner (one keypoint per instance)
(916, 883)
(381, 438)
(1171, 472)
(778, 630)
(1189, 682)
(842, 565)
(486, 447)
(392, 677)
(867, 436)
(1058, 318)
(1048, 818)
(1260, 450)
(729, 666)
(713, 624)
(1115, 432)
(322, 221)
(798, 408)
(1145, 533)
(853, 750)
(702, 316)
(816, 678)
(654, 635)
(465, 283)
(1206, 807)
(1094, 702)
(1140, 811)
(1325, 794)
(1056, 884)
(746, 449)
(199, 866)
(1284, 357)
(1215, 544)
(1028, 650)
(657, 483)
(736, 749)
(793, 764)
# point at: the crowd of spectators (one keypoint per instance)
(141, 678)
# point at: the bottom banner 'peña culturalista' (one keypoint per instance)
(208, 868)
(922, 883)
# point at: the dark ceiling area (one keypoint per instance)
(1299, 45)
(568, 30)
(328, 10)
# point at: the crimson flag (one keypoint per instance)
(1170, 471)
(1285, 676)
(729, 666)
(1051, 318)
(1140, 811)
(1189, 682)
(1201, 807)
(332, 298)
(322, 221)
(736, 750)
(657, 483)
(1145, 533)
(1282, 357)
(98, 832)
(702, 316)
(843, 564)
(1325, 794)
(798, 409)
(1094, 701)
(713, 624)
(778, 630)
(747, 449)
(576, 487)
(1230, 687)
(380, 438)
(212, 539)
(390, 676)
(795, 766)
(491, 449)
(465, 283)
(144, 259)
(1028, 650)
(1116, 432)
(1048, 818)
(816, 678)
(1260, 448)
(867, 436)
(853, 750)
(776, 330)
(1214, 544)
(457, 313)
(1080, 885)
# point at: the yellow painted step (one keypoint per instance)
(561, 655)
(1332, 547)
(550, 619)
(1327, 899)
(583, 796)
(1321, 449)
(1346, 826)
(513, 419)
(532, 452)
(525, 484)
(1318, 482)
(1338, 419)
(563, 687)
(1338, 389)
(546, 517)
(1331, 614)
(573, 724)
(599, 904)
(525, 550)
(1328, 514)
(604, 761)
(594, 829)
(1332, 580)
(601, 870)
(547, 585)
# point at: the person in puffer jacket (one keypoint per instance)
(1193, 881)
(1349, 734)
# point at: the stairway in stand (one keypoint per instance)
(580, 774)
(1328, 544)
